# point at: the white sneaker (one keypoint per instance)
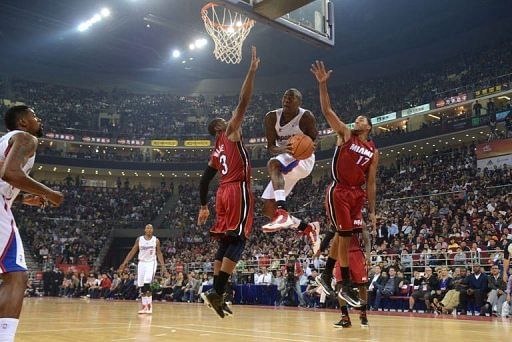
(280, 221)
(149, 310)
(144, 310)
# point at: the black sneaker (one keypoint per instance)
(214, 302)
(225, 307)
(324, 281)
(364, 320)
(351, 296)
(343, 323)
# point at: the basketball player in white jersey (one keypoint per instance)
(17, 154)
(148, 247)
(284, 170)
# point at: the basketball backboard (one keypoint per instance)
(310, 20)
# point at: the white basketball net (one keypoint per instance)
(228, 30)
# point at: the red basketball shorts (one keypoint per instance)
(357, 267)
(234, 207)
(343, 207)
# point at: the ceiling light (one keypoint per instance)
(105, 12)
(192, 46)
(176, 53)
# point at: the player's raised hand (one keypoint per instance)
(204, 212)
(318, 69)
(255, 60)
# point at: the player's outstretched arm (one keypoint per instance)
(23, 146)
(372, 188)
(204, 184)
(321, 75)
(233, 130)
(130, 255)
(160, 257)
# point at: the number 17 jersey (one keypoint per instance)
(351, 161)
(231, 160)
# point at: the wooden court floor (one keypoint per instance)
(45, 319)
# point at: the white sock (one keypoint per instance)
(8, 328)
(279, 195)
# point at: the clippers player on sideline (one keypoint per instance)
(234, 205)
(284, 170)
(148, 247)
(17, 154)
(354, 165)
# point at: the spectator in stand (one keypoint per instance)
(391, 286)
(312, 291)
(452, 297)
(477, 290)
(105, 284)
(265, 278)
(179, 288)
(429, 284)
(497, 293)
(445, 285)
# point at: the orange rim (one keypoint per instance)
(206, 18)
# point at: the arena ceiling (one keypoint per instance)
(137, 39)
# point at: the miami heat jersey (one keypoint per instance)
(7, 190)
(287, 131)
(351, 162)
(231, 159)
(147, 249)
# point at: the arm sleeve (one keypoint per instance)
(207, 177)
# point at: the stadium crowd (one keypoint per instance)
(118, 113)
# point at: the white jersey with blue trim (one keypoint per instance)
(290, 129)
(7, 190)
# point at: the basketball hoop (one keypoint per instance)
(228, 30)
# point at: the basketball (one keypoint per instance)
(303, 146)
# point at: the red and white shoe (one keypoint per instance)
(149, 309)
(280, 221)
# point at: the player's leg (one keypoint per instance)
(363, 317)
(212, 298)
(12, 291)
(350, 203)
(141, 273)
(359, 276)
(285, 172)
(149, 275)
(344, 322)
(13, 271)
(324, 280)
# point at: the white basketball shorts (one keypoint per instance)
(12, 255)
(293, 170)
(145, 273)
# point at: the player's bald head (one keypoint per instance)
(295, 93)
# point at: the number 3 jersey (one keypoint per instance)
(231, 159)
(351, 161)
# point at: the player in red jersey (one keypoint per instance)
(354, 166)
(234, 204)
